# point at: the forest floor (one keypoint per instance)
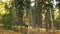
(30, 30)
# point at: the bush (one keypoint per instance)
(7, 21)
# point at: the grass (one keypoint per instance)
(30, 30)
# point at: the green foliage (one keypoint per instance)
(27, 3)
(57, 24)
(8, 18)
(7, 21)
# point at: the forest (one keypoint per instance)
(29, 16)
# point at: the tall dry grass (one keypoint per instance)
(30, 30)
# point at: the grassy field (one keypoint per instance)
(30, 30)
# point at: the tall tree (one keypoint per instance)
(18, 4)
(48, 15)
